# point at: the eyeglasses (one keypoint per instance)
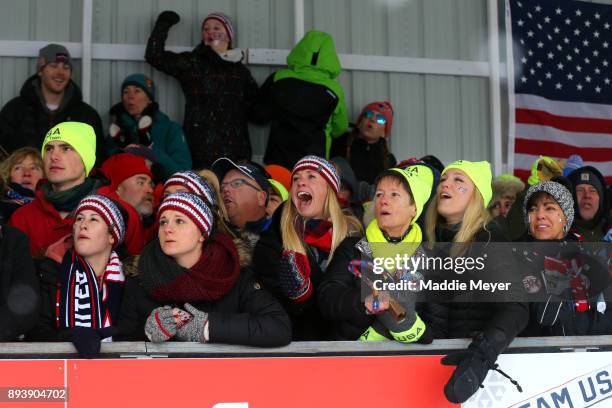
(238, 183)
(380, 119)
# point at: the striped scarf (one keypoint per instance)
(83, 299)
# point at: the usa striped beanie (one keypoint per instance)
(109, 211)
(325, 168)
(192, 206)
(193, 182)
(227, 23)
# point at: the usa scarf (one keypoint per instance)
(83, 299)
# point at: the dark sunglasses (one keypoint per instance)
(380, 119)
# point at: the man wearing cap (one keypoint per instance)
(47, 98)
(589, 190)
(244, 191)
(69, 154)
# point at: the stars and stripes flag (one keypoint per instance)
(562, 99)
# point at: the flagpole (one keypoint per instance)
(510, 84)
(494, 86)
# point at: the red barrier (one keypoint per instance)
(388, 381)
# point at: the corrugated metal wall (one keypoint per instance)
(442, 115)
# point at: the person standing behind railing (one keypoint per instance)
(219, 90)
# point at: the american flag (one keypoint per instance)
(562, 82)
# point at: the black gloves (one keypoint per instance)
(473, 365)
(87, 340)
(168, 18)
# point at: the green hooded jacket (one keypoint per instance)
(324, 71)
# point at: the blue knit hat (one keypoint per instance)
(192, 206)
(141, 81)
(193, 182)
(572, 163)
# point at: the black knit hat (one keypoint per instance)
(593, 177)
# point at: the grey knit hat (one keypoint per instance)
(561, 195)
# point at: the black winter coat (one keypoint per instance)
(19, 299)
(500, 322)
(25, 120)
(308, 322)
(219, 97)
(246, 315)
(367, 160)
(339, 295)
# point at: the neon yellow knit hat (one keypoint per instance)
(420, 180)
(80, 136)
(279, 188)
(479, 173)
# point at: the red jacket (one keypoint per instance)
(42, 223)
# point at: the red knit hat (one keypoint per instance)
(123, 166)
(384, 108)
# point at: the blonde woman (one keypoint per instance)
(21, 172)
(292, 256)
(458, 214)
(399, 199)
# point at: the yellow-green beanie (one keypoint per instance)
(479, 173)
(420, 180)
(543, 169)
(279, 188)
(80, 136)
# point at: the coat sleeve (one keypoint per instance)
(339, 119)
(509, 318)
(339, 295)
(175, 156)
(132, 316)
(436, 317)
(267, 263)
(261, 321)
(9, 118)
(19, 310)
(166, 61)
(263, 110)
(251, 99)
(46, 328)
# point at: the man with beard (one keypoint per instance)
(47, 98)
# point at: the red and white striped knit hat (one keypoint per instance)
(325, 168)
(193, 182)
(192, 206)
(109, 211)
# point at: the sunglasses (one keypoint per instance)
(380, 119)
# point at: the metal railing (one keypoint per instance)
(300, 349)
